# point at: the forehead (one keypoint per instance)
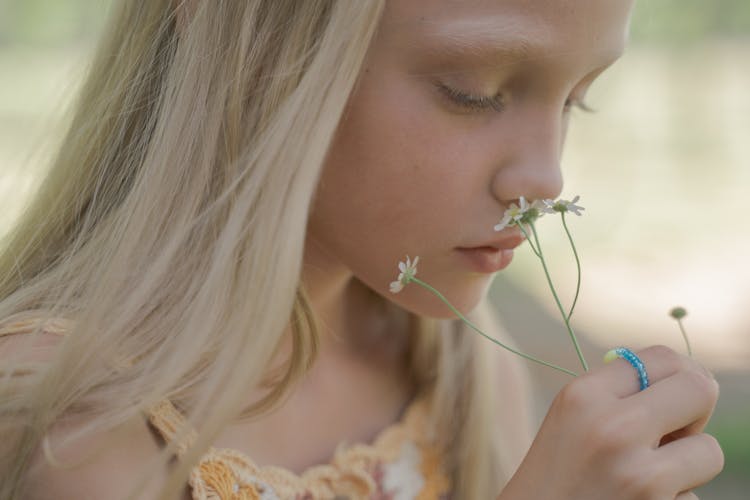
(529, 28)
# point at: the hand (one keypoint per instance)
(604, 439)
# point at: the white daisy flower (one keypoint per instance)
(407, 270)
(563, 206)
(513, 214)
(536, 210)
(539, 205)
(547, 206)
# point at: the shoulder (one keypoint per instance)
(19, 342)
(106, 464)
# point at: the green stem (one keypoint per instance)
(557, 299)
(685, 337)
(526, 235)
(578, 265)
(480, 332)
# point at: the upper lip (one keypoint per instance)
(506, 242)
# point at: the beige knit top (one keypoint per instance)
(400, 464)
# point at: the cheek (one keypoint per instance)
(392, 167)
(394, 183)
(396, 153)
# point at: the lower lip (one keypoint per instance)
(487, 259)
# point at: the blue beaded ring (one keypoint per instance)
(630, 357)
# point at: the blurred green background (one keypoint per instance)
(661, 167)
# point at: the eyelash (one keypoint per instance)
(472, 102)
(482, 103)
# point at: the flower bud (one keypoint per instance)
(678, 312)
(530, 216)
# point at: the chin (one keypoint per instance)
(422, 302)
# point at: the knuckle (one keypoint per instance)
(574, 396)
(706, 388)
(699, 367)
(667, 357)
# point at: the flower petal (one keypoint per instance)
(503, 222)
(396, 286)
(539, 206)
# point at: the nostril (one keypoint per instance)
(535, 180)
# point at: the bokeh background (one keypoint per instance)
(662, 167)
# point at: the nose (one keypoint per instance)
(530, 164)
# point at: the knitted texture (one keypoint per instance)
(400, 464)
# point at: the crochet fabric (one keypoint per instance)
(400, 465)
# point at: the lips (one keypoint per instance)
(506, 243)
(492, 256)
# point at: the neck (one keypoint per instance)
(354, 321)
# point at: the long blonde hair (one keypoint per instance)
(168, 234)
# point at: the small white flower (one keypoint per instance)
(408, 271)
(504, 222)
(547, 206)
(513, 214)
(563, 206)
(540, 206)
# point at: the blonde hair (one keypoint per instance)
(168, 234)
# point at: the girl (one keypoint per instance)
(197, 301)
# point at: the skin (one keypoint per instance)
(413, 172)
(603, 438)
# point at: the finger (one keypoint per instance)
(694, 428)
(621, 379)
(691, 461)
(684, 400)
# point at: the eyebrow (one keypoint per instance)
(478, 36)
(490, 38)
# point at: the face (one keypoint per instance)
(461, 108)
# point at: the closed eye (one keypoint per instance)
(469, 101)
(472, 102)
